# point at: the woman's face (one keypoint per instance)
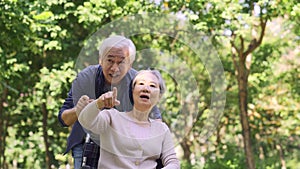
(146, 92)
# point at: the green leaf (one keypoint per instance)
(44, 15)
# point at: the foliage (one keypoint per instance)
(41, 40)
(31, 127)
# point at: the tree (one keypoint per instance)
(243, 24)
(12, 68)
(30, 40)
(42, 36)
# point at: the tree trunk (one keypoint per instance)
(281, 156)
(243, 94)
(45, 136)
(185, 144)
(3, 128)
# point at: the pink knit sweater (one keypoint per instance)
(126, 143)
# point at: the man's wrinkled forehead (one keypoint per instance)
(117, 52)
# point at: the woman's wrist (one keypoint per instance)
(99, 104)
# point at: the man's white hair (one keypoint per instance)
(117, 41)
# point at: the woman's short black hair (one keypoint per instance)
(131, 91)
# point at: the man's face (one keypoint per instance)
(115, 64)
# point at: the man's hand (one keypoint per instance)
(82, 102)
(108, 99)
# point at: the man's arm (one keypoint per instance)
(67, 114)
(83, 84)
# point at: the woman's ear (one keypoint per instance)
(160, 96)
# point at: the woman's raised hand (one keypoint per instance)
(108, 99)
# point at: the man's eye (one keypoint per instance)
(122, 62)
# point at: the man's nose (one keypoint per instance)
(115, 67)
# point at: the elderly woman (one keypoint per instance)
(130, 139)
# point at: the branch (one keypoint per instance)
(238, 51)
(234, 61)
(242, 57)
(254, 42)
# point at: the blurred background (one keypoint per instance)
(253, 52)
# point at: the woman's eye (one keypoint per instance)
(153, 85)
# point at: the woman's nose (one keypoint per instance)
(146, 89)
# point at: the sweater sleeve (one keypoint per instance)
(168, 156)
(94, 120)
